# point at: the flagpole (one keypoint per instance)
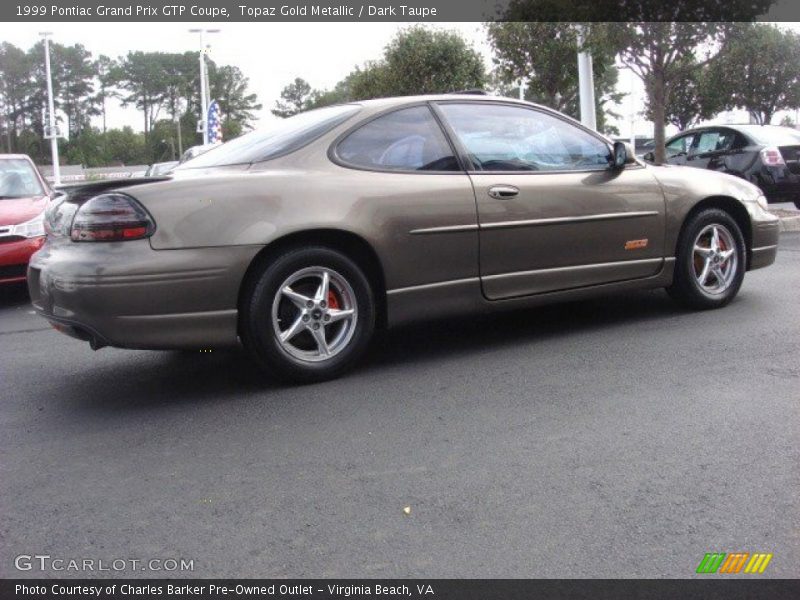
(203, 81)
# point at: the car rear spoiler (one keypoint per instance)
(85, 188)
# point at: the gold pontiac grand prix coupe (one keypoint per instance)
(300, 240)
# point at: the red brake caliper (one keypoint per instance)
(332, 301)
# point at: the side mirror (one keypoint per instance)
(650, 157)
(621, 155)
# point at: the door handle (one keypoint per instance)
(503, 192)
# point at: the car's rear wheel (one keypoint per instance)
(710, 262)
(309, 316)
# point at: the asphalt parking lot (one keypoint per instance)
(619, 437)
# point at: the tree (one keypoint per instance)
(72, 75)
(229, 87)
(544, 55)
(295, 98)
(697, 97)
(74, 70)
(154, 82)
(663, 56)
(15, 89)
(104, 66)
(657, 40)
(141, 75)
(180, 71)
(87, 149)
(416, 61)
(422, 61)
(124, 146)
(759, 71)
(36, 101)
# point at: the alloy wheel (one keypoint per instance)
(714, 259)
(314, 314)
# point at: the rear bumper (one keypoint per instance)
(126, 294)
(14, 258)
(779, 185)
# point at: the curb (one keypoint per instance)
(790, 223)
(789, 220)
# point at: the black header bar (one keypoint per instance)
(715, 588)
(265, 11)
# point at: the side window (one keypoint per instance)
(409, 139)
(715, 141)
(500, 137)
(707, 142)
(679, 146)
(726, 140)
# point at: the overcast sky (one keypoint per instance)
(273, 54)
(270, 54)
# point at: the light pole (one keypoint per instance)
(203, 82)
(633, 112)
(586, 83)
(52, 133)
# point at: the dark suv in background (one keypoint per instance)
(766, 155)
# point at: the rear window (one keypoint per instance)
(773, 136)
(280, 137)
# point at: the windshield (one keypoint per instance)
(773, 136)
(18, 179)
(280, 137)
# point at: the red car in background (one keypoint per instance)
(24, 195)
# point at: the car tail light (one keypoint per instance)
(771, 157)
(111, 218)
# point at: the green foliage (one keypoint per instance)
(416, 61)
(424, 61)
(663, 55)
(661, 42)
(88, 149)
(340, 93)
(759, 71)
(126, 147)
(694, 98)
(544, 55)
(163, 86)
(294, 98)
(229, 87)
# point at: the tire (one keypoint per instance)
(311, 323)
(698, 261)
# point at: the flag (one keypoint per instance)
(214, 123)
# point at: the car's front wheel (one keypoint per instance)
(710, 261)
(309, 316)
